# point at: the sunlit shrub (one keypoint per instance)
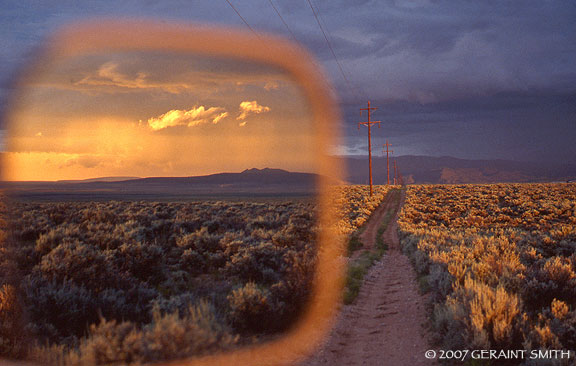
(498, 261)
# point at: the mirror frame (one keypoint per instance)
(141, 35)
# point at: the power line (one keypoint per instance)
(241, 17)
(359, 91)
(331, 48)
(333, 90)
(283, 21)
(328, 42)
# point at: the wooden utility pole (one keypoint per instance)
(395, 172)
(387, 161)
(369, 123)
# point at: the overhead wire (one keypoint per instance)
(358, 90)
(244, 20)
(316, 13)
(316, 16)
(332, 89)
(283, 21)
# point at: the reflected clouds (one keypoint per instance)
(148, 114)
(191, 118)
(251, 107)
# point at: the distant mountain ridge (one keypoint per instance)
(248, 176)
(249, 182)
(101, 179)
(280, 183)
(417, 169)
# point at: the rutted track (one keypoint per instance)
(385, 324)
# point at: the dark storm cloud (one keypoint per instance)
(467, 78)
(518, 126)
(440, 50)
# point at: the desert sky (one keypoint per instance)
(475, 79)
(156, 114)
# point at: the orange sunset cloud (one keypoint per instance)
(109, 75)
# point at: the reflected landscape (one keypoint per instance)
(157, 207)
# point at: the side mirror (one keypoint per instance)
(168, 199)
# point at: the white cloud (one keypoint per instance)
(251, 107)
(193, 117)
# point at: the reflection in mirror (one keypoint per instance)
(160, 206)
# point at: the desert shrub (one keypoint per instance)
(58, 310)
(193, 262)
(498, 260)
(187, 330)
(130, 231)
(143, 266)
(355, 205)
(555, 328)
(12, 337)
(169, 336)
(61, 310)
(177, 303)
(198, 332)
(491, 316)
(78, 263)
(142, 260)
(559, 270)
(550, 279)
(292, 293)
(440, 282)
(446, 320)
(252, 308)
(101, 214)
(267, 222)
(133, 303)
(201, 240)
(48, 241)
(231, 242)
(101, 235)
(263, 263)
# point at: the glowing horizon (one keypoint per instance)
(145, 114)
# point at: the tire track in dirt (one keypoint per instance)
(385, 324)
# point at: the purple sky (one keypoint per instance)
(470, 79)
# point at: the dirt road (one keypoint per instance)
(384, 325)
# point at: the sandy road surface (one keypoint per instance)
(384, 325)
